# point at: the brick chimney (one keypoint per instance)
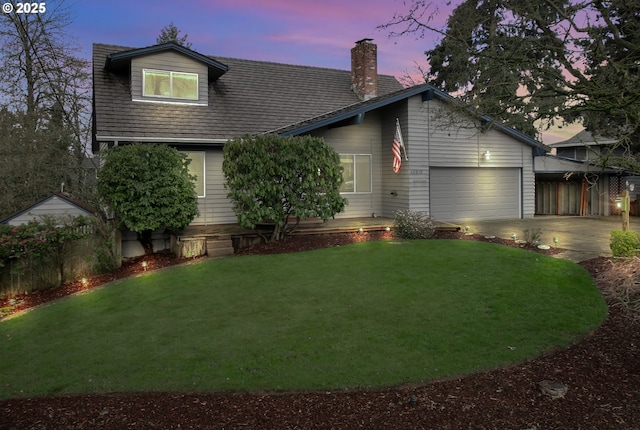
(364, 69)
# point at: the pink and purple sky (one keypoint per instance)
(306, 32)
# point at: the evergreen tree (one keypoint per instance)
(148, 187)
(282, 180)
(170, 33)
(526, 63)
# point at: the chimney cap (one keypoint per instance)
(365, 40)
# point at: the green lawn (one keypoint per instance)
(365, 315)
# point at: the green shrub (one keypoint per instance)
(413, 225)
(532, 235)
(282, 179)
(46, 236)
(104, 258)
(625, 243)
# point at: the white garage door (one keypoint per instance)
(459, 194)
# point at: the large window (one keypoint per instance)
(175, 85)
(356, 173)
(196, 168)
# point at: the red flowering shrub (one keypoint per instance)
(38, 238)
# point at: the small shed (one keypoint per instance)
(76, 260)
(57, 204)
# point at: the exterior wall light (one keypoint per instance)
(487, 156)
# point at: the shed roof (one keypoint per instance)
(583, 138)
(555, 164)
(65, 198)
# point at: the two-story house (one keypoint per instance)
(456, 167)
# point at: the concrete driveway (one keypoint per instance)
(582, 237)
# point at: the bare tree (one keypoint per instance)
(45, 108)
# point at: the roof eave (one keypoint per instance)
(357, 110)
(119, 59)
(81, 206)
(427, 91)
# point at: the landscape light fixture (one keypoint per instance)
(144, 265)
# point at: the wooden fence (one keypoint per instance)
(30, 274)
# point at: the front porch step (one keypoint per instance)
(219, 247)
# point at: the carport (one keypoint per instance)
(571, 187)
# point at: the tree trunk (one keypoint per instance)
(145, 240)
(276, 234)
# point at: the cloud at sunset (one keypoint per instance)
(305, 32)
(300, 32)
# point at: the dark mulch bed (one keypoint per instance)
(601, 373)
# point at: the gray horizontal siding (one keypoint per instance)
(54, 206)
(396, 186)
(215, 208)
(417, 143)
(456, 141)
(360, 139)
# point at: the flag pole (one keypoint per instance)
(402, 147)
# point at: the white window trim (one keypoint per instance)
(355, 185)
(170, 97)
(170, 102)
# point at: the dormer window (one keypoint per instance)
(167, 73)
(171, 85)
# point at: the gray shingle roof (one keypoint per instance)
(427, 92)
(583, 138)
(252, 97)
